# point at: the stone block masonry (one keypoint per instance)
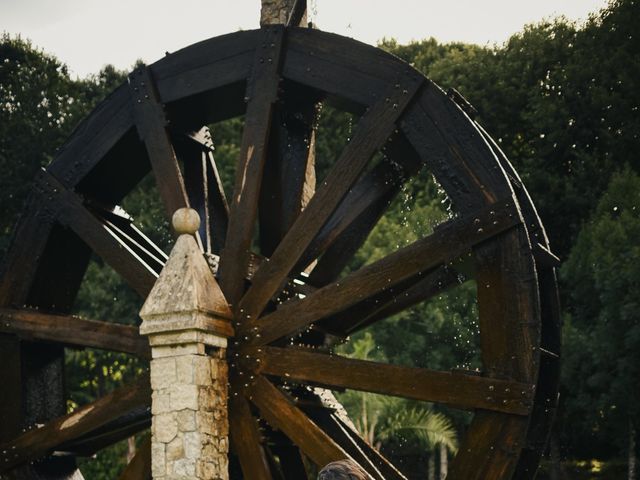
(187, 321)
(190, 427)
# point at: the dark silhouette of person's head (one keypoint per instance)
(343, 470)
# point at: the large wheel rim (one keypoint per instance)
(246, 72)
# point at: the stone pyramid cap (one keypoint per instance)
(186, 294)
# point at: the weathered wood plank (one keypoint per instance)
(151, 122)
(139, 468)
(205, 65)
(280, 413)
(246, 442)
(491, 447)
(448, 242)
(117, 221)
(93, 138)
(373, 129)
(40, 441)
(359, 211)
(102, 240)
(289, 175)
(73, 331)
(44, 268)
(355, 74)
(334, 429)
(10, 398)
(262, 93)
(125, 426)
(33, 230)
(389, 471)
(459, 390)
(390, 302)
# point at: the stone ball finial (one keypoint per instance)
(185, 221)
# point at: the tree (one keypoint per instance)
(393, 423)
(603, 272)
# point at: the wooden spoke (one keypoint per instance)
(262, 92)
(245, 438)
(37, 443)
(289, 177)
(390, 302)
(205, 190)
(73, 331)
(152, 127)
(458, 390)
(139, 468)
(389, 471)
(359, 212)
(334, 429)
(280, 413)
(103, 241)
(449, 241)
(375, 126)
(120, 224)
(113, 432)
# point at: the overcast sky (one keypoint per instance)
(87, 34)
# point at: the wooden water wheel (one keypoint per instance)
(287, 280)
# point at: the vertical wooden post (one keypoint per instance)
(187, 320)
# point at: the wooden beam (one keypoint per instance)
(448, 242)
(104, 241)
(120, 224)
(245, 440)
(40, 441)
(330, 425)
(459, 390)
(389, 471)
(262, 93)
(281, 413)
(390, 302)
(151, 123)
(34, 325)
(360, 210)
(93, 138)
(289, 175)
(373, 129)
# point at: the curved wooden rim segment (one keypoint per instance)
(166, 102)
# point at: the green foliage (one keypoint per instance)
(39, 107)
(561, 98)
(603, 363)
(397, 424)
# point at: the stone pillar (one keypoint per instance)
(187, 320)
(277, 12)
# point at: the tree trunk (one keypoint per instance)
(444, 462)
(633, 461)
(432, 466)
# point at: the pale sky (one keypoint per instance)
(87, 34)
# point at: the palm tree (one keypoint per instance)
(386, 420)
